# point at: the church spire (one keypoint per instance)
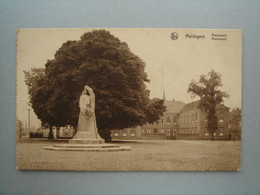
(164, 97)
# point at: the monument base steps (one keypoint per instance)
(87, 147)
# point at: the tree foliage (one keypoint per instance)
(107, 65)
(154, 110)
(207, 88)
(235, 119)
(39, 90)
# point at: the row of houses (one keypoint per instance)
(180, 121)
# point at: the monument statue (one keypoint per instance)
(87, 127)
(87, 137)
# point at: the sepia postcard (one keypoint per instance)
(122, 99)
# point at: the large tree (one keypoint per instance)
(235, 120)
(207, 88)
(40, 90)
(107, 65)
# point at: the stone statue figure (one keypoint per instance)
(87, 127)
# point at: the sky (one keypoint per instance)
(194, 52)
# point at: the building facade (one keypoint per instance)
(179, 121)
(165, 128)
(193, 122)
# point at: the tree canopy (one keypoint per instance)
(103, 62)
(207, 88)
(235, 119)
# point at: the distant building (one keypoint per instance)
(193, 122)
(179, 121)
(165, 128)
(66, 132)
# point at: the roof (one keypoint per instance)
(195, 105)
(190, 106)
(173, 105)
(221, 106)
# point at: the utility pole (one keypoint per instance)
(29, 119)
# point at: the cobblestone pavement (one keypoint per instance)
(168, 155)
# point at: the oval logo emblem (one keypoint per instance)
(174, 36)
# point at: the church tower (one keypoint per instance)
(164, 97)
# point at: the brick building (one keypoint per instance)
(193, 122)
(165, 128)
(179, 121)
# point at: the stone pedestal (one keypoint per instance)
(86, 141)
(86, 137)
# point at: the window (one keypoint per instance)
(221, 131)
(162, 120)
(156, 122)
(174, 120)
(206, 132)
(188, 119)
(192, 118)
(132, 132)
(116, 134)
(196, 117)
(221, 117)
(168, 132)
(162, 130)
(155, 130)
(143, 131)
(148, 131)
(124, 133)
(168, 120)
(196, 130)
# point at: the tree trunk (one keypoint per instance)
(105, 134)
(50, 134)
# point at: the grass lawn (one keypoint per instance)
(154, 155)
